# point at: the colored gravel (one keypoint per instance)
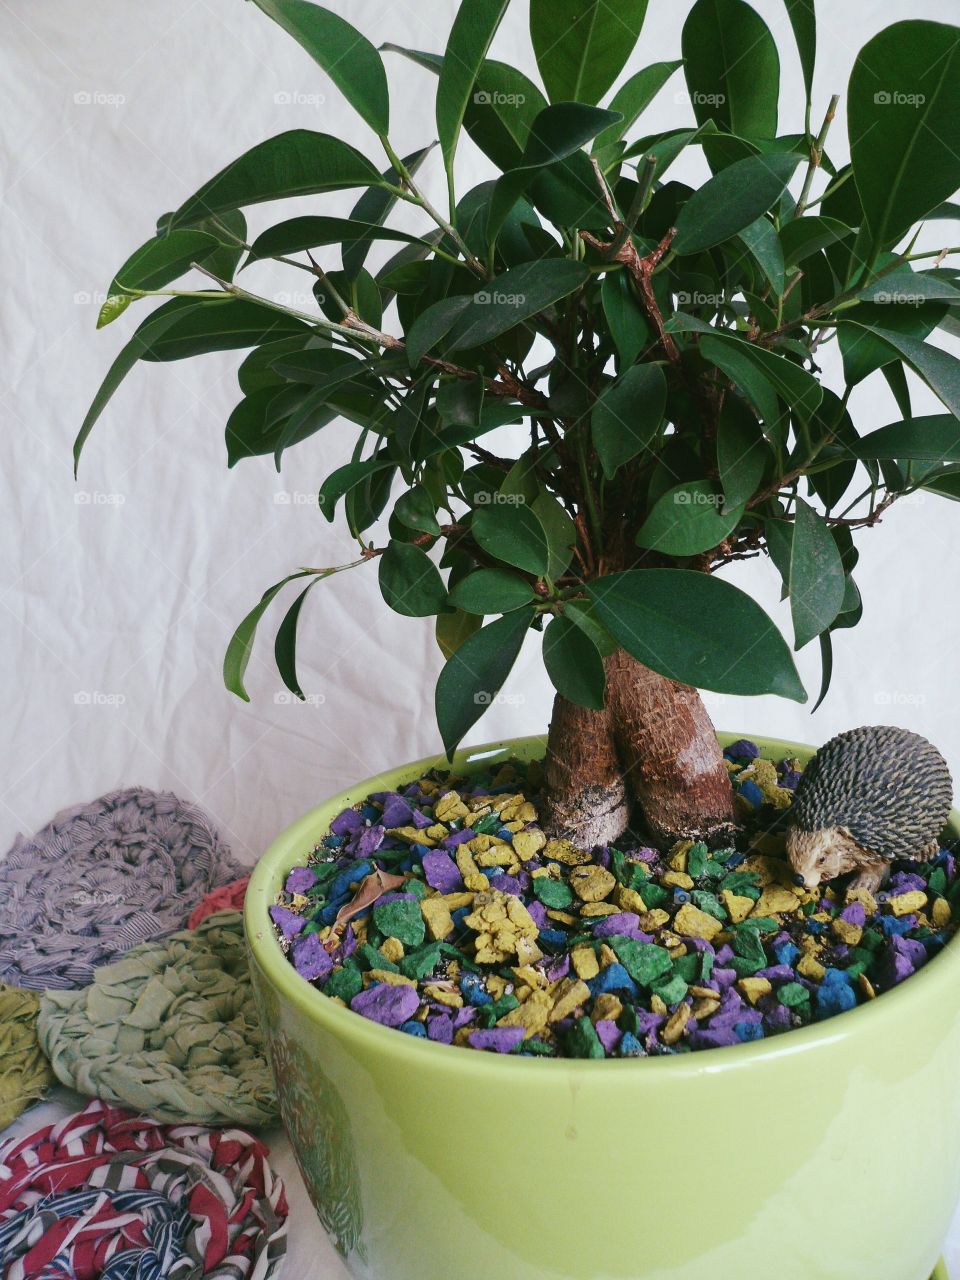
(443, 910)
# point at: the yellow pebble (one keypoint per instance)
(585, 963)
(654, 920)
(566, 851)
(679, 879)
(674, 1028)
(775, 900)
(457, 900)
(532, 977)
(392, 948)
(606, 1006)
(571, 994)
(810, 967)
(450, 807)
(472, 876)
(437, 832)
(657, 1005)
(738, 907)
(705, 1006)
(496, 985)
(562, 917)
(866, 986)
(446, 995)
(941, 913)
(391, 979)
(607, 956)
(754, 988)
(904, 904)
(532, 1015)
(437, 917)
(846, 932)
(413, 835)
(691, 922)
(527, 950)
(599, 909)
(527, 844)
(591, 884)
(677, 857)
(629, 900)
(865, 898)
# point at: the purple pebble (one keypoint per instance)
(371, 838)
(440, 1028)
(300, 880)
(396, 811)
(458, 837)
(538, 914)
(463, 1017)
(386, 1004)
(609, 1034)
(441, 872)
(854, 914)
(506, 884)
(310, 959)
(420, 820)
(346, 823)
(499, 1039)
(287, 921)
(626, 923)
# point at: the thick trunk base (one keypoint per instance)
(652, 750)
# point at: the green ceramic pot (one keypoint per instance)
(828, 1153)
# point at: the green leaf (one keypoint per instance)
(688, 519)
(259, 424)
(433, 324)
(511, 532)
(561, 534)
(627, 416)
(501, 112)
(154, 265)
(346, 478)
(742, 454)
(241, 644)
(148, 333)
(319, 366)
(296, 163)
(817, 578)
(732, 68)
(410, 582)
(632, 99)
(930, 439)
(373, 208)
(491, 591)
(804, 237)
(285, 644)
(863, 353)
(574, 664)
(625, 316)
(910, 288)
(583, 615)
(460, 402)
(229, 325)
(310, 232)
(904, 122)
(348, 57)
(514, 297)
(475, 673)
(583, 45)
(470, 37)
(803, 19)
(736, 197)
(826, 664)
(761, 239)
(833, 419)
(415, 510)
(939, 369)
(762, 376)
(453, 628)
(696, 629)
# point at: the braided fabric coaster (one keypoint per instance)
(229, 897)
(25, 1073)
(104, 1193)
(170, 1030)
(100, 878)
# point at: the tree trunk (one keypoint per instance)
(653, 746)
(586, 799)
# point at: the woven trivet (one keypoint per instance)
(25, 1073)
(100, 878)
(108, 1194)
(229, 897)
(169, 1030)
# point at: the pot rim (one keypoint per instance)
(940, 973)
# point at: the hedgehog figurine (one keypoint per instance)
(869, 795)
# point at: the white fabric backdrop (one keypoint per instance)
(119, 593)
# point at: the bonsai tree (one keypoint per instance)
(659, 344)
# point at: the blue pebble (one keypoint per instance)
(459, 916)
(333, 842)
(414, 1028)
(630, 1046)
(329, 912)
(370, 813)
(473, 989)
(506, 834)
(552, 937)
(751, 793)
(836, 978)
(733, 862)
(835, 997)
(787, 953)
(420, 850)
(893, 926)
(816, 927)
(613, 978)
(748, 1031)
(348, 876)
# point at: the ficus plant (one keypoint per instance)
(657, 346)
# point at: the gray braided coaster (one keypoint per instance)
(100, 878)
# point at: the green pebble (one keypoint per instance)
(723, 856)
(370, 957)
(654, 895)
(707, 959)
(856, 969)
(743, 883)
(417, 888)
(709, 903)
(583, 1041)
(628, 1020)
(344, 983)
(538, 1049)
(506, 1004)
(793, 995)
(420, 963)
(671, 992)
(697, 860)
(872, 940)
(747, 945)
(687, 967)
(400, 919)
(762, 924)
(312, 926)
(747, 968)
(553, 893)
(644, 961)
(487, 826)
(938, 881)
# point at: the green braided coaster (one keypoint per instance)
(25, 1073)
(170, 1030)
